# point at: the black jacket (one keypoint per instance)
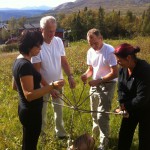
(134, 91)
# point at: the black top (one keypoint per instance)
(134, 91)
(23, 67)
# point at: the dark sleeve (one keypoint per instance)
(142, 98)
(122, 91)
(25, 69)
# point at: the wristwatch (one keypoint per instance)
(101, 79)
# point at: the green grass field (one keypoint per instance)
(10, 127)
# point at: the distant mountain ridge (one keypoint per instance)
(7, 13)
(16, 13)
(28, 8)
(36, 8)
(135, 5)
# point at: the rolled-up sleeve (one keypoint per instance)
(36, 59)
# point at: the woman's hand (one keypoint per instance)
(125, 114)
(58, 84)
(55, 93)
(84, 78)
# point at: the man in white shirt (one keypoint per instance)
(49, 63)
(102, 66)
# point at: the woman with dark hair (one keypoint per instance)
(133, 96)
(27, 82)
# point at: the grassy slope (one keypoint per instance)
(10, 128)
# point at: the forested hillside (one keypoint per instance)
(112, 25)
(137, 6)
(116, 23)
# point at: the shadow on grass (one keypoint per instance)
(113, 142)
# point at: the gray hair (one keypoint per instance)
(94, 31)
(47, 19)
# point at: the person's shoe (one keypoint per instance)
(100, 148)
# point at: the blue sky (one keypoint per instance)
(30, 3)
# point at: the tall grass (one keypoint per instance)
(10, 127)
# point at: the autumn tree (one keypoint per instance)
(12, 27)
(4, 34)
(21, 21)
(101, 25)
